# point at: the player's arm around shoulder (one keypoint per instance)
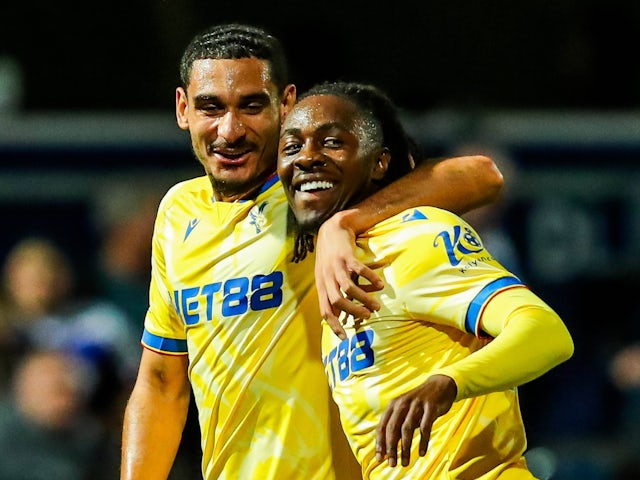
(458, 184)
(155, 417)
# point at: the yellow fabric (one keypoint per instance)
(528, 333)
(439, 280)
(225, 292)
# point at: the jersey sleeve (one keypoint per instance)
(442, 271)
(163, 328)
(444, 275)
(530, 339)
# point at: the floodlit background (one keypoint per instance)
(550, 90)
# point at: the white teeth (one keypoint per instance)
(305, 187)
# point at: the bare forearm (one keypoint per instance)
(152, 430)
(458, 184)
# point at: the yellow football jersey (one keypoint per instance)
(437, 277)
(225, 292)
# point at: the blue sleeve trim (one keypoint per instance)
(161, 344)
(477, 304)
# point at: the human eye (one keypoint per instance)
(332, 142)
(255, 104)
(253, 108)
(290, 147)
(211, 107)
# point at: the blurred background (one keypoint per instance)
(88, 144)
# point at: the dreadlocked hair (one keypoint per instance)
(304, 244)
(374, 105)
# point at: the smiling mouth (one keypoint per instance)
(314, 186)
(231, 156)
(230, 153)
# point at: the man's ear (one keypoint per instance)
(182, 108)
(288, 100)
(381, 165)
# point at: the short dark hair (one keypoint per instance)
(374, 104)
(235, 40)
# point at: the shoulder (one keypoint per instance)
(271, 191)
(199, 187)
(419, 220)
(424, 229)
(195, 185)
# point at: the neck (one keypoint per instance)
(362, 195)
(222, 192)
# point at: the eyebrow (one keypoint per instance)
(261, 97)
(324, 126)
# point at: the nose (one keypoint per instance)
(230, 127)
(309, 158)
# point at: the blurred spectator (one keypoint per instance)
(41, 311)
(624, 372)
(46, 430)
(125, 214)
(625, 375)
(36, 282)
